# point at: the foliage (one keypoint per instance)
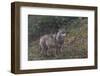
(75, 45)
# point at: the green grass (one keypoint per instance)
(69, 52)
(75, 46)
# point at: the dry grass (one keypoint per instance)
(75, 46)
